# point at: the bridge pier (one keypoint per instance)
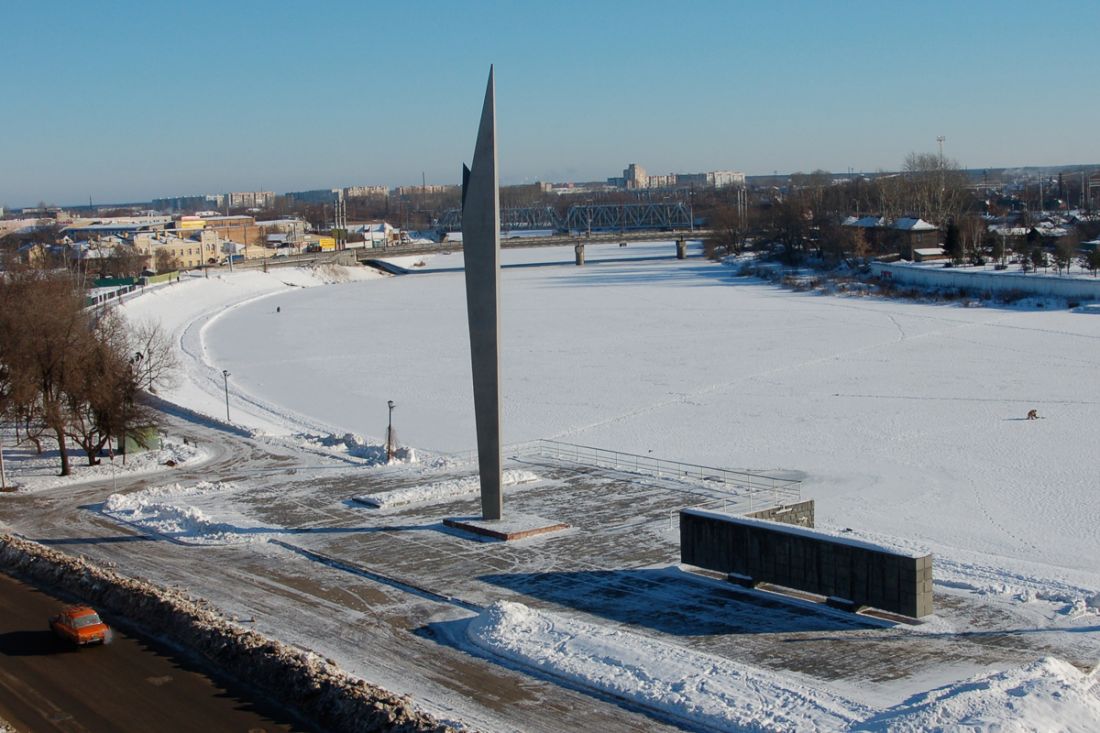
(578, 250)
(681, 248)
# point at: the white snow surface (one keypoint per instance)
(719, 694)
(907, 419)
(171, 511)
(31, 472)
(679, 682)
(1047, 695)
(438, 491)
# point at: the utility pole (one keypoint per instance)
(225, 377)
(941, 166)
(390, 447)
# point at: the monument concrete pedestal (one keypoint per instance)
(515, 527)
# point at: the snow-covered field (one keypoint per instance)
(907, 421)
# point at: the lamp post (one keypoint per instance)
(389, 434)
(225, 378)
(3, 475)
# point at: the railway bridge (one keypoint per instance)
(364, 254)
(585, 218)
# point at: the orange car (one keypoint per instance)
(79, 624)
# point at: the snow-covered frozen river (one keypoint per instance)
(906, 418)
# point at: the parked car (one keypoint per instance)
(80, 625)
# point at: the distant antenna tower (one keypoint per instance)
(340, 219)
(940, 140)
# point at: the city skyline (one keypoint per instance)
(131, 102)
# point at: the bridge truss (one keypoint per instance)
(513, 219)
(584, 218)
(620, 217)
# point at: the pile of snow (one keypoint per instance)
(357, 446)
(321, 691)
(31, 472)
(330, 274)
(161, 510)
(697, 688)
(1046, 695)
(441, 491)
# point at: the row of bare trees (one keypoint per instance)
(70, 374)
(806, 215)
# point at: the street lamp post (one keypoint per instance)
(225, 378)
(3, 475)
(389, 434)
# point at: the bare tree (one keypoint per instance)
(1092, 261)
(70, 372)
(935, 187)
(1065, 250)
(972, 234)
(165, 261)
(729, 227)
(889, 196)
(124, 261)
(45, 324)
(118, 364)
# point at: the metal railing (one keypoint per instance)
(723, 489)
(757, 490)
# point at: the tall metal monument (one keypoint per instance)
(481, 247)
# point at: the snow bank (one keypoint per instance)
(694, 687)
(359, 447)
(171, 511)
(162, 510)
(1047, 695)
(320, 690)
(440, 490)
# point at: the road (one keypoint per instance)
(131, 684)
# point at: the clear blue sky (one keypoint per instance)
(133, 100)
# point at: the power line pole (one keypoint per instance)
(225, 377)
